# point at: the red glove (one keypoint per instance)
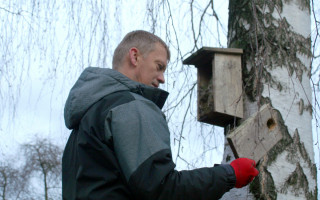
(245, 171)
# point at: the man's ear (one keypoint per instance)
(133, 56)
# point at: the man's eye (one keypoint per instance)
(160, 67)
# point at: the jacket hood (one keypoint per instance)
(95, 83)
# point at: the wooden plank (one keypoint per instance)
(257, 135)
(205, 55)
(227, 85)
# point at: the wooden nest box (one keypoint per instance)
(219, 84)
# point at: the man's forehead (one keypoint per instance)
(160, 47)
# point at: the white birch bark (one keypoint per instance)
(292, 175)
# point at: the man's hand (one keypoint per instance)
(245, 171)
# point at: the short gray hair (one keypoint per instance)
(142, 40)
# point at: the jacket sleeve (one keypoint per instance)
(141, 141)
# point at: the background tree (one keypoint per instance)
(12, 182)
(44, 159)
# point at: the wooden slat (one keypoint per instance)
(257, 135)
(205, 55)
(227, 85)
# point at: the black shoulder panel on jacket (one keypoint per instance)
(96, 115)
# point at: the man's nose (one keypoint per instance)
(161, 78)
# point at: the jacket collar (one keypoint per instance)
(156, 95)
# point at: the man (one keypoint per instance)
(119, 147)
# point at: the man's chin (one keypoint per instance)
(156, 86)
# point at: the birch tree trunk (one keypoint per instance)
(275, 36)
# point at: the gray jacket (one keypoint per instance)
(120, 145)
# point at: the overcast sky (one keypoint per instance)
(44, 80)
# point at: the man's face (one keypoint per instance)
(150, 67)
